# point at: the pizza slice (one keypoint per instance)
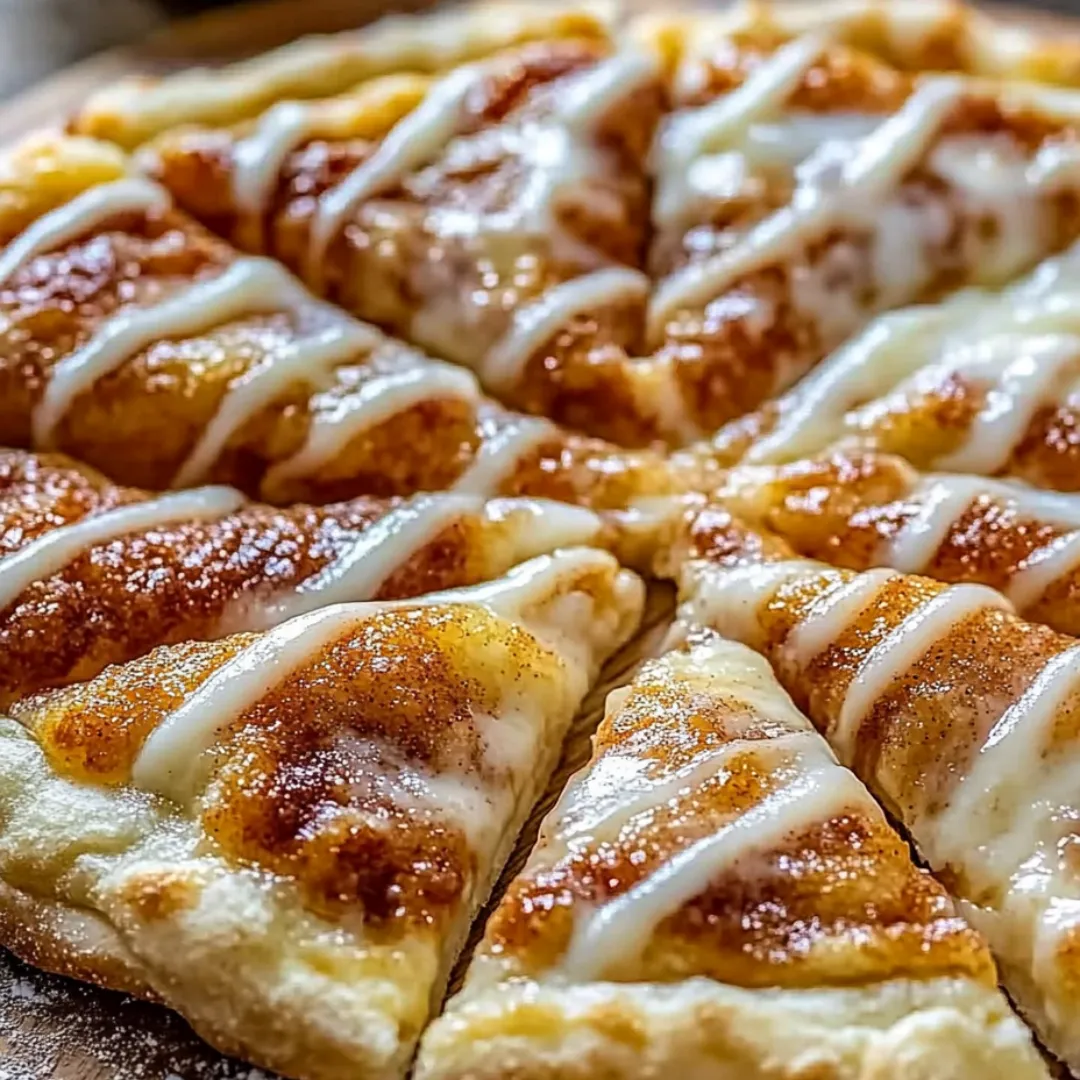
(806, 180)
(135, 109)
(714, 895)
(93, 574)
(862, 509)
(496, 216)
(985, 383)
(139, 343)
(958, 715)
(285, 836)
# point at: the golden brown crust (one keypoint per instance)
(352, 817)
(715, 971)
(934, 1030)
(134, 110)
(852, 509)
(141, 422)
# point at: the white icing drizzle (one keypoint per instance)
(832, 613)
(359, 573)
(1022, 345)
(535, 593)
(557, 154)
(246, 286)
(833, 187)
(169, 761)
(1009, 771)
(306, 359)
(1024, 372)
(259, 157)
(502, 447)
(87, 211)
(602, 939)
(730, 599)
(688, 136)
(374, 401)
(901, 647)
(1042, 568)
(810, 413)
(536, 323)
(51, 552)
(939, 502)
(942, 500)
(412, 142)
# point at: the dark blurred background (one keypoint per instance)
(39, 36)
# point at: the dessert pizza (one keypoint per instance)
(499, 216)
(344, 393)
(959, 715)
(93, 574)
(286, 835)
(141, 343)
(714, 894)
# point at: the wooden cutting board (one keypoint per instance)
(62, 1030)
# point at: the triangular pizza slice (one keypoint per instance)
(138, 342)
(860, 509)
(285, 836)
(93, 574)
(805, 182)
(496, 216)
(959, 716)
(985, 383)
(714, 895)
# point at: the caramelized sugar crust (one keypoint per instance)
(751, 341)
(391, 260)
(837, 902)
(187, 580)
(846, 508)
(310, 783)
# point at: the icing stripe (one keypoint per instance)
(832, 613)
(246, 286)
(691, 134)
(899, 649)
(171, 760)
(87, 211)
(537, 323)
(501, 450)
(306, 359)
(1014, 753)
(603, 939)
(940, 502)
(373, 402)
(51, 552)
(384, 547)
(823, 199)
(259, 157)
(1043, 568)
(412, 142)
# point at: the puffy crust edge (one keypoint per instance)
(133, 110)
(67, 941)
(991, 47)
(939, 1029)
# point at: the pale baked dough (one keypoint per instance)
(701, 897)
(959, 716)
(141, 865)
